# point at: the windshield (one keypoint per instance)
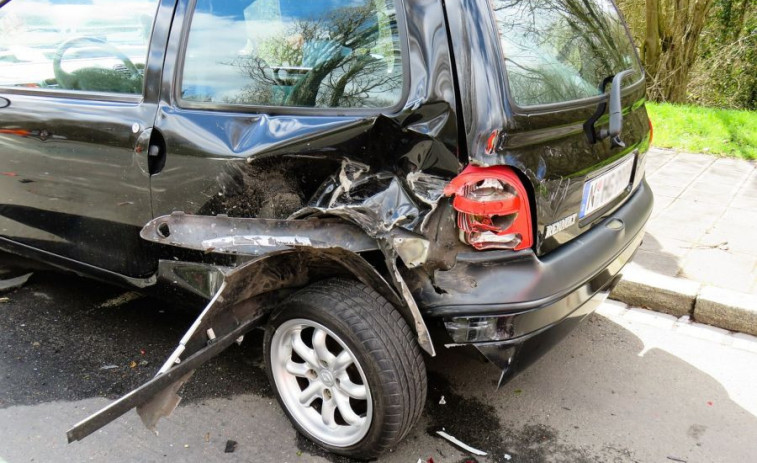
(562, 50)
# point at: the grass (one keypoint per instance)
(704, 130)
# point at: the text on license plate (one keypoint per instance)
(601, 190)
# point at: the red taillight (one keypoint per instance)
(651, 131)
(492, 208)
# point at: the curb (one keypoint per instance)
(680, 297)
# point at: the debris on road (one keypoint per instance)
(109, 367)
(442, 401)
(231, 446)
(4, 299)
(677, 459)
(13, 283)
(120, 300)
(461, 444)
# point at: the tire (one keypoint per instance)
(370, 404)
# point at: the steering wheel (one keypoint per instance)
(95, 78)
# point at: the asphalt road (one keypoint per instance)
(625, 386)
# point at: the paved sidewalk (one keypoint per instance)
(699, 256)
(704, 223)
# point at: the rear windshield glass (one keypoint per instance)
(562, 50)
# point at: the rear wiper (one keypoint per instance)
(616, 113)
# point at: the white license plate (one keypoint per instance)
(601, 190)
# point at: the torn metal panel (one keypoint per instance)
(244, 297)
(253, 237)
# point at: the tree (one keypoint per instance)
(670, 47)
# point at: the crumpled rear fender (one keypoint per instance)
(282, 255)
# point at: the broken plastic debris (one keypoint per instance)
(508, 457)
(13, 283)
(4, 299)
(442, 401)
(109, 367)
(120, 300)
(461, 444)
(132, 364)
(231, 446)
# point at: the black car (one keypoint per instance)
(350, 174)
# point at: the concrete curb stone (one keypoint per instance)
(643, 288)
(727, 309)
(722, 308)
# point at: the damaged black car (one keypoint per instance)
(367, 180)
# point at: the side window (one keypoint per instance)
(317, 53)
(79, 45)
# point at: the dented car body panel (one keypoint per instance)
(233, 206)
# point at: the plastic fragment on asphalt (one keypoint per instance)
(120, 300)
(461, 444)
(109, 367)
(4, 299)
(508, 457)
(442, 401)
(231, 446)
(12, 283)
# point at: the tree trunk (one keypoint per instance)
(670, 45)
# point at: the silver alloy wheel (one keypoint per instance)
(321, 382)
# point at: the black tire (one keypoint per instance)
(384, 346)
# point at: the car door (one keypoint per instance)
(263, 99)
(78, 98)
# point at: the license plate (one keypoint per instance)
(601, 190)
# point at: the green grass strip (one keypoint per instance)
(698, 129)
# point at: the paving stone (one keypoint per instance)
(730, 238)
(642, 288)
(661, 202)
(684, 220)
(718, 267)
(656, 261)
(727, 309)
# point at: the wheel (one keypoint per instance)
(346, 368)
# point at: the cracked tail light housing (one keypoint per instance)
(493, 210)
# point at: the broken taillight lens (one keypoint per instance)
(492, 207)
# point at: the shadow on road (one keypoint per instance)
(593, 398)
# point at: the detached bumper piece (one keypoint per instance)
(514, 307)
(224, 321)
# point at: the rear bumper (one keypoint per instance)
(505, 303)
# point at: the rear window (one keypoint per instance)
(319, 53)
(562, 50)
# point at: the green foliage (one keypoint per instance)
(725, 66)
(704, 130)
